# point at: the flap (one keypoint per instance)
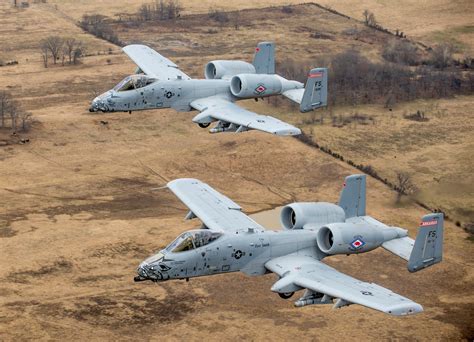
(314, 275)
(222, 109)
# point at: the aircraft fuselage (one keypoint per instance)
(177, 94)
(241, 251)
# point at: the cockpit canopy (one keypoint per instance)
(134, 82)
(193, 239)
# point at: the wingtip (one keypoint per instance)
(405, 309)
(182, 180)
(288, 131)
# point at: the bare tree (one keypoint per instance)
(404, 186)
(161, 10)
(145, 12)
(5, 104)
(69, 47)
(218, 15)
(13, 111)
(236, 20)
(372, 21)
(369, 18)
(79, 51)
(25, 119)
(442, 55)
(401, 51)
(54, 45)
(44, 54)
(9, 108)
(174, 9)
(365, 15)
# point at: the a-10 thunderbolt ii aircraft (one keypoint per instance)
(230, 241)
(158, 83)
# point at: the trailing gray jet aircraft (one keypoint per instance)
(230, 241)
(158, 83)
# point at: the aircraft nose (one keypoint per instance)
(142, 272)
(99, 103)
(96, 104)
(148, 272)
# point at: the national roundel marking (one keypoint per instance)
(238, 254)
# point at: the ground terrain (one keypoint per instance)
(433, 21)
(78, 213)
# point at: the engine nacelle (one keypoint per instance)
(257, 85)
(219, 69)
(307, 214)
(349, 238)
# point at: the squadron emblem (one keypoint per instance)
(357, 243)
(260, 89)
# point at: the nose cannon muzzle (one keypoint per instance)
(147, 272)
(96, 105)
(101, 103)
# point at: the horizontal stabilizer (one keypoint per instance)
(401, 247)
(295, 95)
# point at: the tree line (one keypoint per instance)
(65, 50)
(354, 79)
(160, 10)
(99, 26)
(12, 115)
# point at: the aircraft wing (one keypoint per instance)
(218, 108)
(153, 64)
(215, 210)
(307, 272)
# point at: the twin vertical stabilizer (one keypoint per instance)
(264, 58)
(352, 198)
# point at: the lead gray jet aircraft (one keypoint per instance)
(158, 83)
(230, 241)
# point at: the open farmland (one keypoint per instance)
(78, 213)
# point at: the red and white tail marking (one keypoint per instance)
(428, 223)
(315, 75)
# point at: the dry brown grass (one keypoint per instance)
(432, 22)
(109, 7)
(435, 153)
(77, 213)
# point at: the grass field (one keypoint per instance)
(433, 21)
(77, 213)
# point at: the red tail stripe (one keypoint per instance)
(318, 74)
(428, 223)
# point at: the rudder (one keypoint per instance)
(352, 198)
(264, 58)
(316, 90)
(428, 248)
